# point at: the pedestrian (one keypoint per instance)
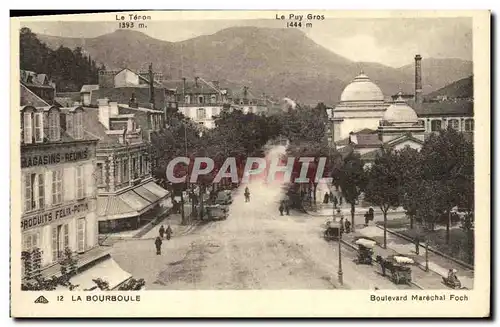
(347, 226)
(168, 232)
(340, 200)
(281, 208)
(158, 242)
(325, 198)
(162, 231)
(417, 244)
(335, 202)
(331, 196)
(287, 209)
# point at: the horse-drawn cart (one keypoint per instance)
(398, 266)
(333, 230)
(365, 250)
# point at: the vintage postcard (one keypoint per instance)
(251, 164)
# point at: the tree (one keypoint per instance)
(447, 159)
(382, 187)
(409, 168)
(352, 180)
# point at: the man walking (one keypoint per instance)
(162, 231)
(158, 242)
(281, 208)
(168, 232)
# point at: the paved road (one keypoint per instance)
(255, 248)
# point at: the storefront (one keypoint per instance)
(58, 199)
(131, 209)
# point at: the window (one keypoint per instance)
(80, 235)
(54, 126)
(141, 172)
(69, 124)
(134, 168)
(213, 99)
(201, 123)
(435, 125)
(34, 194)
(187, 99)
(28, 128)
(454, 123)
(39, 127)
(60, 241)
(125, 172)
(421, 122)
(78, 127)
(200, 99)
(57, 186)
(201, 114)
(117, 173)
(469, 125)
(80, 182)
(31, 241)
(100, 173)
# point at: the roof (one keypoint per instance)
(93, 127)
(371, 155)
(37, 80)
(459, 107)
(399, 111)
(362, 89)
(89, 88)
(403, 138)
(191, 87)
(367, 139)
(126, 106)
(30, 98)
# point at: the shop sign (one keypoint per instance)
(50, 216)
(53, 158)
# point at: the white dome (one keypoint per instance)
(362, 89)
(399, 111)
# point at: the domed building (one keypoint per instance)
(362, 105)
(400, 120)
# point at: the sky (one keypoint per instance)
(389, 41)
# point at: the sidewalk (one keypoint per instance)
(438, 264)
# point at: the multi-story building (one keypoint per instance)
(58, 188)
(58, 192)
(248, 103)
(146, 88)
(200, 100)
(127, 196)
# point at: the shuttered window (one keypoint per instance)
(78, 125)
(38, 127)
(28, 128)
(57, 177)
(80, 234)
(80, 183)
(54, 126)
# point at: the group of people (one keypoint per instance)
(329, 197)
(159, 239)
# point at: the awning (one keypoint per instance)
(156, 189)
(145, 193)
(107, 270)
(112, 207)
(134, 200)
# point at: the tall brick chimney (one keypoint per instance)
(151, 86)
(418, 79)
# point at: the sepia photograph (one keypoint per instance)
(267, 151)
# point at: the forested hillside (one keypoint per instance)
(69, 69)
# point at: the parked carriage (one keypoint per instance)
(333, 231)
(365, 250)
(398, 266)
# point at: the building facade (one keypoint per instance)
(58, 186)
(127, 196)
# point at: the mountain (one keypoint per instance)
(460, 89)
(280, 62)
